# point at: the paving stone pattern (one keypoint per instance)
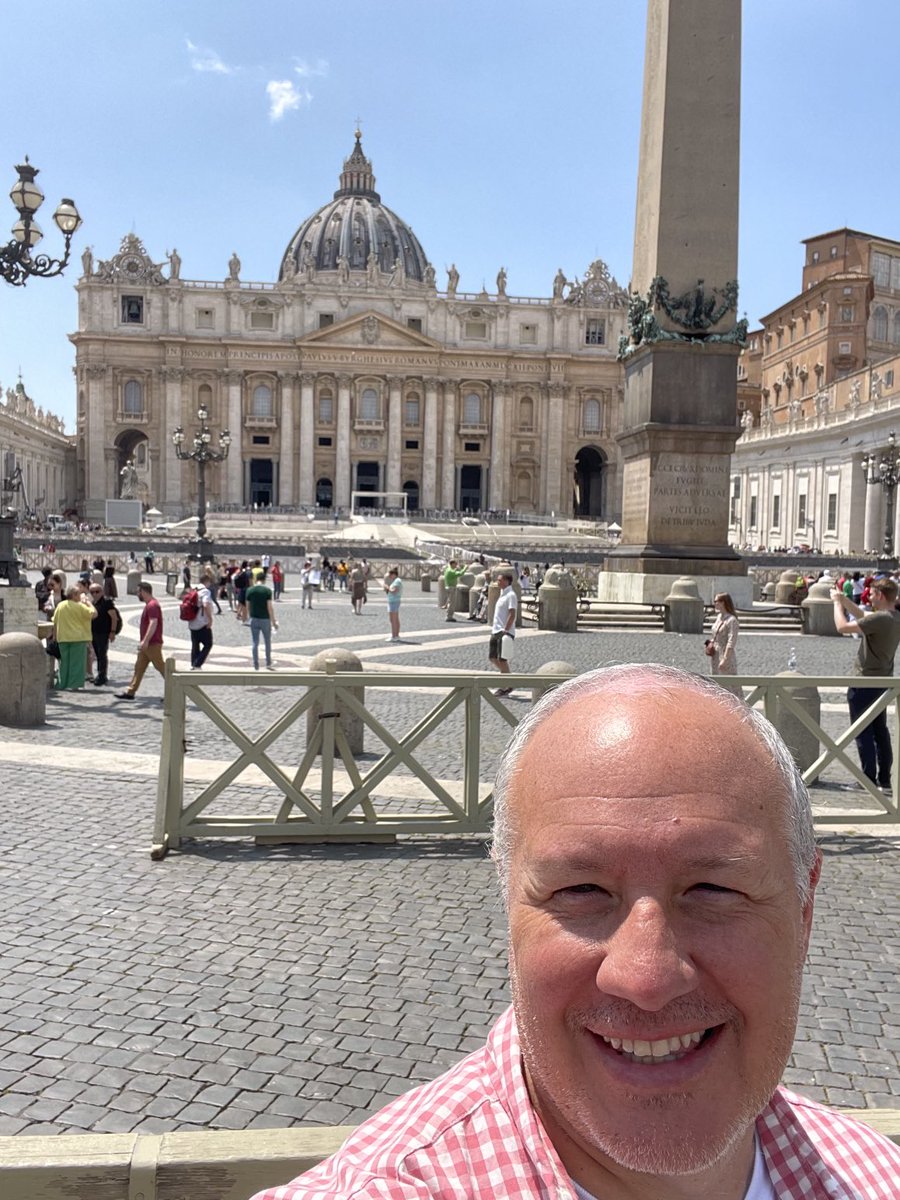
(232, 986)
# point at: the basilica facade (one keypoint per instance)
(350, 373)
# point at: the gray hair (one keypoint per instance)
(627, 679)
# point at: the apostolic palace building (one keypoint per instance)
(351, 372)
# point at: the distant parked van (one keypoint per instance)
(58, 523)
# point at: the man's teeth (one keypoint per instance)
(664, 1050)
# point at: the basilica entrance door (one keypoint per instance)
(588, 488)
(261, 481)
(367, 476)
(470, 478)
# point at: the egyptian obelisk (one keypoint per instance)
(681, 352)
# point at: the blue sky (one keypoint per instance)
(504, 133)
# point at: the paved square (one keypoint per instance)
(232, 986)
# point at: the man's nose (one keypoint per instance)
(643, 961)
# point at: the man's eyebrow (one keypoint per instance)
(592, 864)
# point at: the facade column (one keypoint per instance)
(173, 416)
(556, 410)
(234, 463)
(428, 495)
(95, 465)
(307, 437)
(342, 466)
(394, 433)
(499, 449)
(448, 447)
(874, 528)
(285, 493)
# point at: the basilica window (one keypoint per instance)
(261, 318)
(325, 319)
(526, 413)
(846, 312)
(414, 323)
(592, 416)
(476, 330)
(369, 407)
(205, 318)
(472, 409)
(261, 402)
(776, 510)
(326, 408)
(140, 455)
(880, 325)
(595, 332)
(895, 332)
(132, 310)
(831, 518)
(204, 397)
(133, 398)
(412, 414)
(528, 335)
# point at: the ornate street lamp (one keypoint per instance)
(884, 468)
(202, 453)
(17, 264)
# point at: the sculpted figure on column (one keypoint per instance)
(234, 267)
(452, 280)
(501, 282)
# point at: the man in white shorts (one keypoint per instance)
(503, 631)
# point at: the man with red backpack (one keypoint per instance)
(197, 610)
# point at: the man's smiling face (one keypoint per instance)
(657, 935)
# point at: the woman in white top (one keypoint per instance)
(723, 636)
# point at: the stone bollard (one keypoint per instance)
(558, 598)
(557, 667)
(684, 608)
(463, 592)
(132, 581)
(426, 581)
(171, 582)
(785, 587)
(351, 725)
(769, 591)
(757, 590)
(818, 610)
(475, 592)
(802, 742)
(23, 680)
(441, 592)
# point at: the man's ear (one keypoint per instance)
(809, 903)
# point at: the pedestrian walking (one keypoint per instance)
(148, 560)
(879, 633)
(72, 619)
(503, 631)
(200, 625)
(110, 587)
(306, 583)
(721, 644)
(104, 628)
(262, 620)
(357, 588)
(393, 585)
(277, 579)
(151, 641)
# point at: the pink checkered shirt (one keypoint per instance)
(473, 1133)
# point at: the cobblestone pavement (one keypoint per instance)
(234, 986)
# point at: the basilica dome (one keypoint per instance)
(352, 227)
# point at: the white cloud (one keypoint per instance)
(308, 70)
(283, 97)
(205, 60)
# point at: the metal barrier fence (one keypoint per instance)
(374, 797)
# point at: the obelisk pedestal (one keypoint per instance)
(680, 420)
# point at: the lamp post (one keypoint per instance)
(17, 264)
(202, 453)
(884, 468)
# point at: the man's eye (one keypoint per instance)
(581, 889)
(714, 889)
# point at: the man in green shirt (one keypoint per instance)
(452, 576)
(879, 632)
(261, 614)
